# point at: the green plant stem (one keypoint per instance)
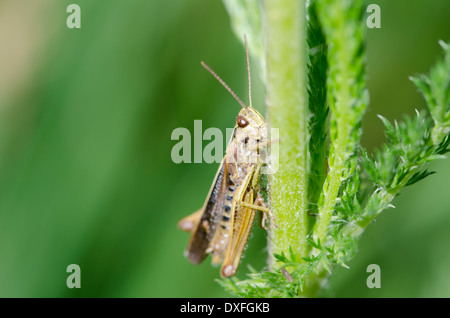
(331, 190)
(346, 94)
(285, 33)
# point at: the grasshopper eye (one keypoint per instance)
(241, 121)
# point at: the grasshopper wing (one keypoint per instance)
(204, 222)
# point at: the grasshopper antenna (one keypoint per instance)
(223, 83)
(248, 71)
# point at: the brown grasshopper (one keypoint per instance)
(222, 226)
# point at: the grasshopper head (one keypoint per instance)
(249, 117)
(251, 130)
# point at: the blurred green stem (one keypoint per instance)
(285, 38)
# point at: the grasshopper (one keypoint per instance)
(222, 226)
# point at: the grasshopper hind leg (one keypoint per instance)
(240, 228)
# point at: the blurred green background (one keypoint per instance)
(86, 175)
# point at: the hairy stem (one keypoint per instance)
(285, 33)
